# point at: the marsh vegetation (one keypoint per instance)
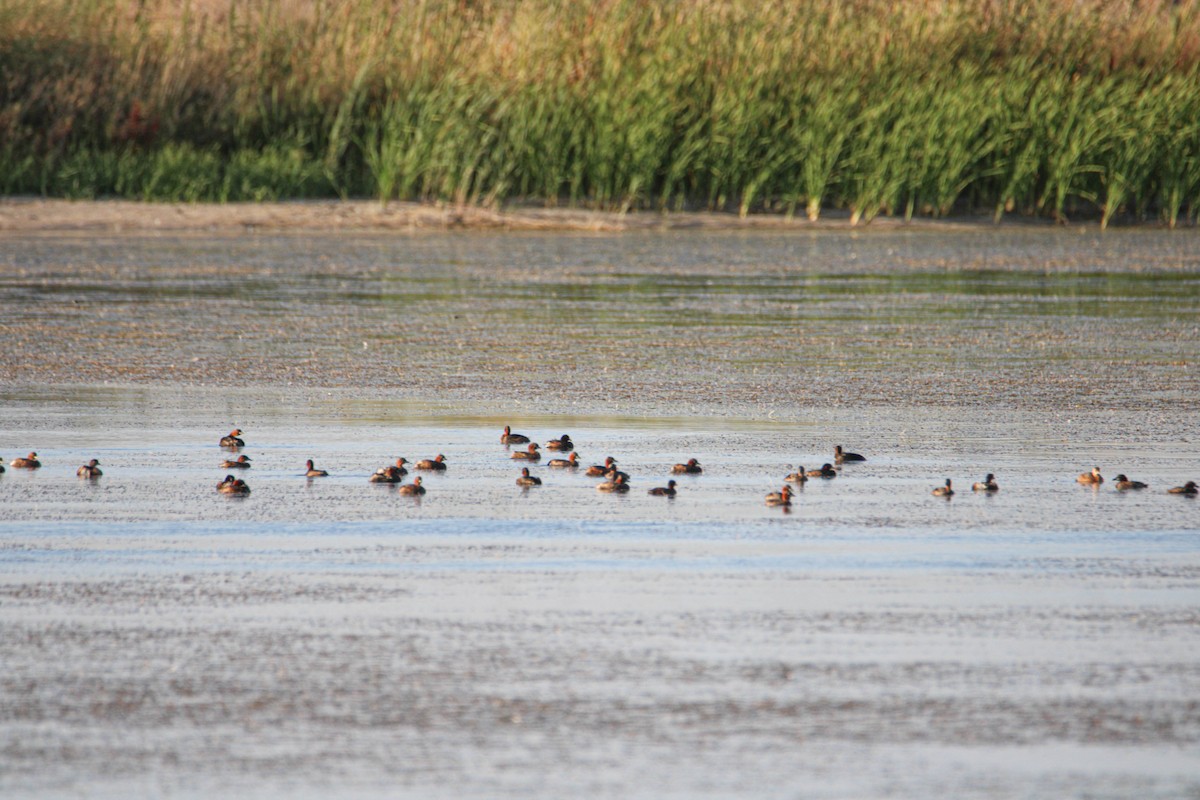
(1050, 108)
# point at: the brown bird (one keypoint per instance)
(528, 480)
(617, 484)
(571, 461)
(1122, 484)
(232, 485)
(508, 437)
(388, 475)
(531, 454)
(414, 488)
(988, 484)
(596, 470)
(232, 439)
(436, 464)
(90, 470)
(28, 462)
(840, 456)
(798, 476)
(781, 498)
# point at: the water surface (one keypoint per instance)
(333, 638)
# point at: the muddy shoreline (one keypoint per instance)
(37, 215)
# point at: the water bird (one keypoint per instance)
(1093, 478)
(944, 491)
(388, 475)
(617, 484)
(562, 443)
(1188, 488)
(508, 437)
(798, 476)
(437, 464)
(531, 454)
(988, 484)
(840, 457)
(614, 473)
(232, 485)
(596, 470)
(232, 439)
(528, 480)
(28, 462)
(781, 498)
(242, 462)
(692, 467)
(664, 491)
(826, 471)
(571, 461)
(90, 470)
(1123, 483)
(414, 488)
(312, 472)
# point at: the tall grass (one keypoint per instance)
(1048, 107)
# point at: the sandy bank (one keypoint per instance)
(35, 215)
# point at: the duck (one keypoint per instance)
(781, 498)
(664, 491)
(797, 477)
(988, 484)
(387, 475)
(1187, 488)
(414, 488)
(944, 491)
(508, 437)
(1, 469)
(596, 470)
(614, 473)
(562, 443)
(232, 485)
(692, 467)
(312, 472)
(242, 462)
(90, 470)
(528, 480)
(1093, 478)
(28, 462)
(841, 457)
(400, 462)
(1122, 483)
(616, 484)
(531, 454)
(232, 439)
(826, 471)
(571, 461)
(437, 464)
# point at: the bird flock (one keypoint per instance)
(615, 480)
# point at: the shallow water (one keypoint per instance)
(331, 637)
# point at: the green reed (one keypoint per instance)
(1052, 108)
